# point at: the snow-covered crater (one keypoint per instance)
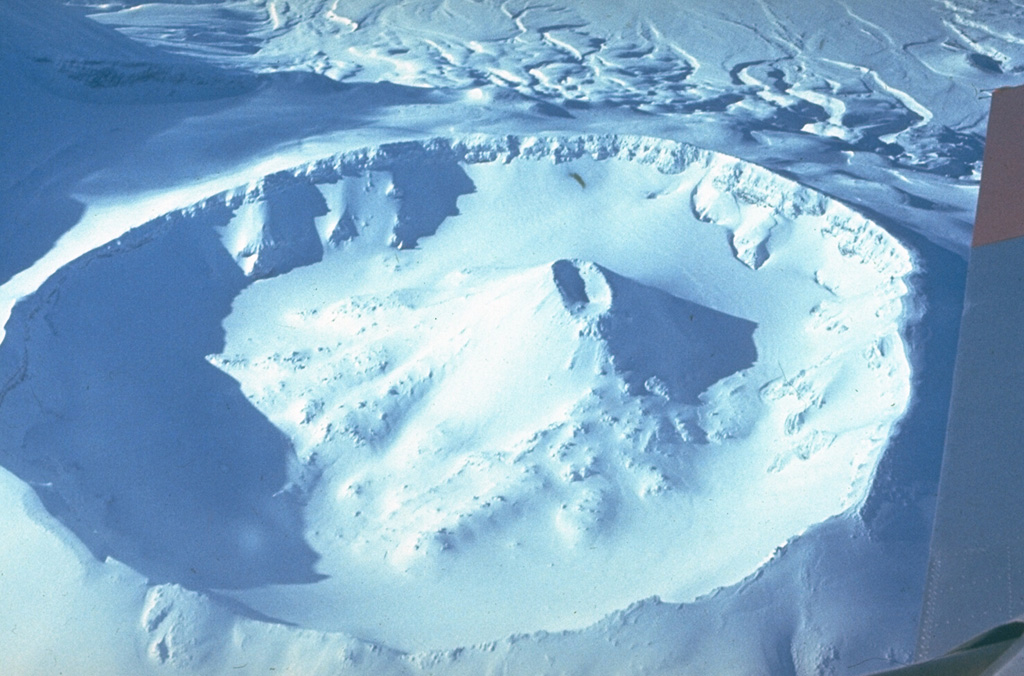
(436, 393)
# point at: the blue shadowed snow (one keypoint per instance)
(428, 192)
(151, 454)
(908, 474)
(661, 342)
(289, 235)
(81, 99)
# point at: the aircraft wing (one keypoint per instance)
(975, 577)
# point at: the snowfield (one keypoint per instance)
(474, 337)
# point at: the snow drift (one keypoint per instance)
(432, 393)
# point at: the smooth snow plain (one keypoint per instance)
(418, 338)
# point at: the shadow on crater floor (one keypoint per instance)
(143, 449)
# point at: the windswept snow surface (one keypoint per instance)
(472, 337)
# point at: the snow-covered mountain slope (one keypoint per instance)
(463, 298)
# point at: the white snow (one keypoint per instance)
(454, 337)
(551, 386)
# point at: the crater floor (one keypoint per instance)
(454, 390)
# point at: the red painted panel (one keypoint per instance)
(1000, 214)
